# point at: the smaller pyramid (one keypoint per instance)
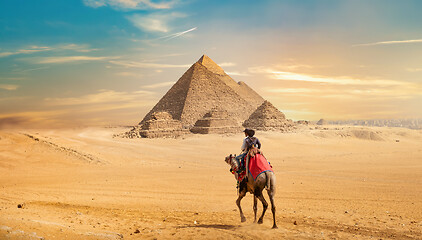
(321, 122)
(160, 125)
(267, 117)
(216, 121)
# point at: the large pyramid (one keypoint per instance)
(203, 87)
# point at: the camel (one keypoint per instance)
(255, 187)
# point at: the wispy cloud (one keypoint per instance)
(100, 97)
(293, 67)
(238, 74)
(76, 47)
(158, 85)
(37, 49)
(32, 49)
(129, 4)
(389, 42)
(414, 69)
(343, 80)
(9, 87)
(31, 69)
(127, 74)
(154, 22)
(12, 78)
(291, 90)
(67, 59)
(175, 35)
(343, 92)
(226, 64)
(131, 64)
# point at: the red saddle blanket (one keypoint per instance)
(258, 165)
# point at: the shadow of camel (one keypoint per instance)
(216, 226)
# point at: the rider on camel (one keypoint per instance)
(248, 142)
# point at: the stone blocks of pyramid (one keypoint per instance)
(216, 121)
(267, 117)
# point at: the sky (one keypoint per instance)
(107, 62)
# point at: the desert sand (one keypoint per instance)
(332, 183)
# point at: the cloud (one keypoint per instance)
(12, 78)
(388, 43)
(158, 85)
(101, 97)
(237, 73)
(154, 22)
(9, 87)
(44, 60)
(227, 64)
(32, 49)
(175, 35)
(129, 4)
(76, 47)
(291, 90)
(37, 49)
(127, 74)
(131, 64)
(30, 69)
(298, 112)
(414, 69)
(346, 80)
(345, 92)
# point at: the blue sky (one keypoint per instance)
(65, 63)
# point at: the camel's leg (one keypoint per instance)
(241, 195)
(255, 202)
(264, 205)
(271, 193)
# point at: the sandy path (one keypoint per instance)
(84, 184)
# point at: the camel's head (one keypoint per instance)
(228, 159)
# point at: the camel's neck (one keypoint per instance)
(233, 164)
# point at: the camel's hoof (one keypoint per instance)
(275, 227)
(243, 219)
(260, 221)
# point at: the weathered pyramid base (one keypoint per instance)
(215, 130)
(162, 133)
(138, 132)
(161, 125)
(216, 121)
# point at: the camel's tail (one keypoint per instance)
(270, 177)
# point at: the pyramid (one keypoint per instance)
(267, 117)
(160, 125)
(202, 87)
(216, 121)
(321, 122)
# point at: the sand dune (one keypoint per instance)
(334, 182)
